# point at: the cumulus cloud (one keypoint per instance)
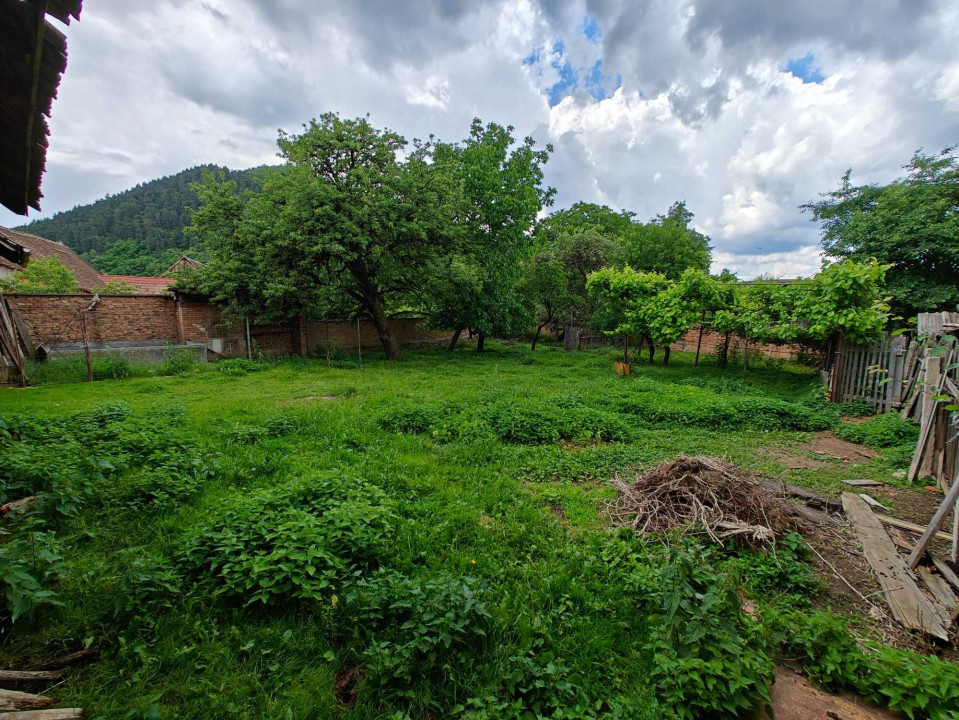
(745, 109)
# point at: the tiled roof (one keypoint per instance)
(142, 285)
(87, 275)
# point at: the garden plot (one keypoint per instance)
(434, 543)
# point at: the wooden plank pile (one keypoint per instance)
(20, 705)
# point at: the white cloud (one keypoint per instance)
(705, 112)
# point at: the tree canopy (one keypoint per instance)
(911, 224)
(352, 219)
(40, 276)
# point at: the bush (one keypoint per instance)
(882, 431)
(274, 427)
(783, 569)
(178, 360)
(412, 419)
(111, 367)
(29, 561)
(417, 626)
(237, 367)
(709, 658)
(296, 541)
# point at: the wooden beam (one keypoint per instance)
(946, 571)
(57, 714)
(906, 525)
(15, 700)
(21, 677)
(934, 524)
(908, 604)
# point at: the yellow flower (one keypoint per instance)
(334, 600)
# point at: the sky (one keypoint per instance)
(745, 109)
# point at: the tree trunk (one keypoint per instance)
(699, 343)
(481, 342)
(455, 339)
(301, 342)
(652, 350)
(390, 346)
(539, 329)
(726, 351)
(666, 355)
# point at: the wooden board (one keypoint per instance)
(944, 507)
(861, 482)
(15, 700)
(909, 606)
(947, 572)
(940, 588)
(19, 677)
(906, 525)
(58, 714)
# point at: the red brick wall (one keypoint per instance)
(56, 318)
(712, 341)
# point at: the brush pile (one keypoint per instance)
(699, 495)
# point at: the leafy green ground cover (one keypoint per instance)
(233, 538)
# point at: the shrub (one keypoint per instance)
(111, 367)
(237, 367)
(413, 419)
(783, 569)
(882, 431)
(416, 626)
(296, 541)
(178, 360)
(274, 427)
(29, 561)
(708, 656)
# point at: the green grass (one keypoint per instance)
(438, 523)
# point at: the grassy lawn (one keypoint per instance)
(243, 545)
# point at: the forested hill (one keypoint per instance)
(135, 232)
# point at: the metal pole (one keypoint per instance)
(359, 343)
(249, 345)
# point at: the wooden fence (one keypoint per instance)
(873, 373)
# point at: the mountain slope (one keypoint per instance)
(137, 232)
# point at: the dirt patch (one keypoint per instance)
(829, 446)
(795, 698)
(791, 461)
(559, 512)
(346, 683)
(311, 398)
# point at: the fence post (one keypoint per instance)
(837, 368)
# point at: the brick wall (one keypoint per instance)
(713, 341)
(56, 318)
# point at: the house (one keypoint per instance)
(142, 285)
(18, 248)
(182, 264)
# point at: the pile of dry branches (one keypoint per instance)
(698, 494)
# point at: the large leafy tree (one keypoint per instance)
(911, 224)
(500, 186)
(346, 222)
(41, 276)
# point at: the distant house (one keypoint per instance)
(142, 285)
(18, 248)
(182, 264)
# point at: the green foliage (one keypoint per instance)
(921, 686)
(116, 287)
(112, 367)
(707, 655)
(417, 629)
(29, 562)
(42, 275)
(177, 360)
(909, 225)
(299, 540)
(783, 569)
(238, 367)
(882, 431)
